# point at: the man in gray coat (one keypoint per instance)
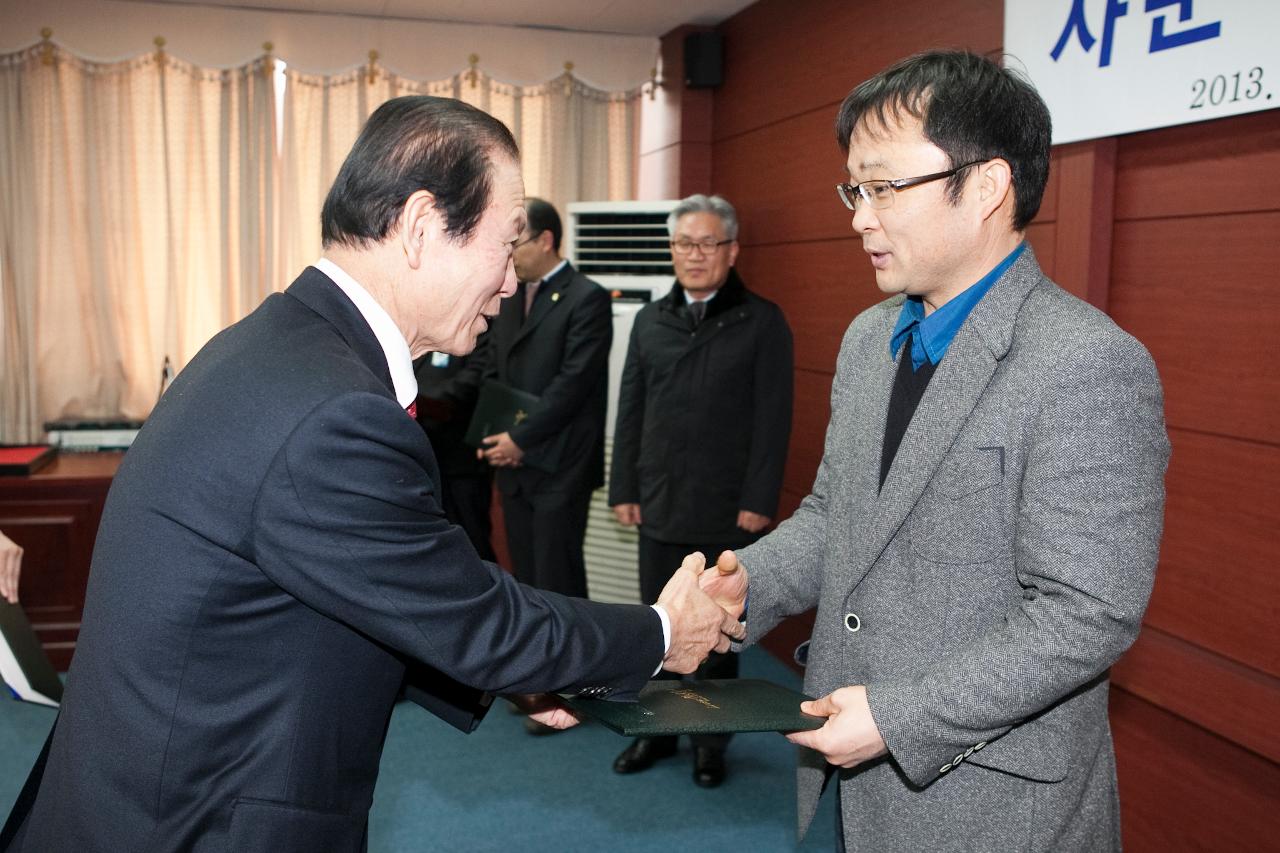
(981, 537)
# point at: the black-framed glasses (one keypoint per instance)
(517, 244)
(707, 246)
(879, 194)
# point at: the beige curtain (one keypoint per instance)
(144, 206)
(137, 221)
(577, 143)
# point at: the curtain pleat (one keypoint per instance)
(147, 204)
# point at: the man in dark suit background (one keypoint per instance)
(272, 554)
(447, 389)
(704, 415)
(551, 339)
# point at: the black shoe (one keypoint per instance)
(643, 752)
(708, 766)
(537, 729)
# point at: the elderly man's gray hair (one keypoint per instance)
(699, 203)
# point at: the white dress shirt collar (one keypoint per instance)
(554, 271)
(394, 347)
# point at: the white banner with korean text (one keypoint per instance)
(1107, 67)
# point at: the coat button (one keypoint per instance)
(978, 746)
(852, 622)
(944, 768)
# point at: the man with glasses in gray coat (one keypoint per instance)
(981, 538)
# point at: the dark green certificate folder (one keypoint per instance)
(715, 706)
(499, 407)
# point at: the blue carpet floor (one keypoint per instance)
(500, 789)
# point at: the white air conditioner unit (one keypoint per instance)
(623, 245)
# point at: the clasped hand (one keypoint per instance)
(700, 623)
(500, 451)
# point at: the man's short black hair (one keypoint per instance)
(969, 107)
(543, 217)
(416, 142)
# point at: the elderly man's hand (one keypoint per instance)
(545, 708)
(698, 625)
(752, 522)
(10, 567)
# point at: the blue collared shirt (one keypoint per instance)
(936, 331)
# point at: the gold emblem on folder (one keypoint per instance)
(695, 696)
(521, 414)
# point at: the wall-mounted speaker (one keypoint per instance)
(703, 60)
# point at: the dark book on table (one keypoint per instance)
(713, 706)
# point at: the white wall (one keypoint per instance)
(212, 36)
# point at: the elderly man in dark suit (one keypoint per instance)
(704, 416)
(981, 538)
(272, 556)
(551, 338)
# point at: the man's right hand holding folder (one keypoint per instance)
(850, 735)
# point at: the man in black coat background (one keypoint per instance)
(551, 339)
(704, 416)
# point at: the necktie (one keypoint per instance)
(697, 310)
(412, 409)
(530, 291)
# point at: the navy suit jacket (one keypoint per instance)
(271, 556)
(561, 354)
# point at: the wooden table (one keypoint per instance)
(54, 514)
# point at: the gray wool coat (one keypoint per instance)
(1005, 565)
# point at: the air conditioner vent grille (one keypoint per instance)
(620, 241)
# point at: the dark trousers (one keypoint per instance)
(544, 534)
(658, 561)
(467, 502)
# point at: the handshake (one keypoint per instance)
(704, 606)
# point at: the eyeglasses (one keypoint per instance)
(707, 246)
(879, 194)
(530, 239)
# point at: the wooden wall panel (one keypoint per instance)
(1083, 223)
(1217, 585)
(811, 413)
(820, 285)
(1202, 294)
(1043, 239)
(1224, 166)
(1183, 788)
(1180, 676)
(785, 58)
(782, 178)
